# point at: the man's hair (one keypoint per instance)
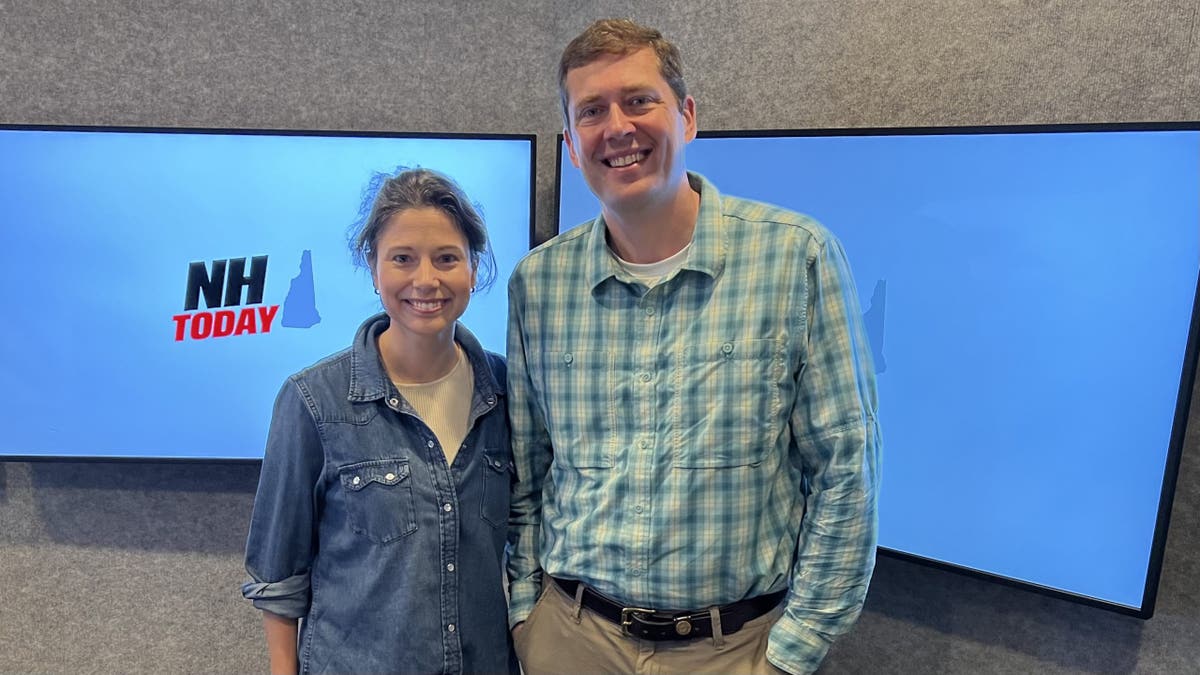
(618, 37)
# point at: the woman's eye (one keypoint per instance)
(400, 258)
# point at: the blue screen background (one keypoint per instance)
(96, 233)
(1028, 298)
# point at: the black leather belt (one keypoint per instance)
(665, 624)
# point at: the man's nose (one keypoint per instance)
(618, 123)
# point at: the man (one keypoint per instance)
(692, 402)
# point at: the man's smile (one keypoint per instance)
(627, 159)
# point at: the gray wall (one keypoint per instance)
(134, 567)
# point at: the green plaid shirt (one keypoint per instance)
(709, 439)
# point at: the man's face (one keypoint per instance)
(626, 131)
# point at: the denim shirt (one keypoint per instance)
(391, 557)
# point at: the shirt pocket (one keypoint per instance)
(579, 406)
(728, 402)
(497, 483)
(379, 499)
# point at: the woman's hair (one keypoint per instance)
(389, 194)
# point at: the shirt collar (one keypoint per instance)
(708, 240)
(369, 380)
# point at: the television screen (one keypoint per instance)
(1028, 293)
(160, 285)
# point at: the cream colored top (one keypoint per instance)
(445, 404)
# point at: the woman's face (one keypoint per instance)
(423, 271)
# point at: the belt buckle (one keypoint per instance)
(627, 617)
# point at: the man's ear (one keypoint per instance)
(571, 147)
(689, 118)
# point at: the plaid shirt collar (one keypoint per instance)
(710, 240)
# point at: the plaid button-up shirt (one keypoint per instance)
(709, 439)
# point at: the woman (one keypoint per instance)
(381, 513)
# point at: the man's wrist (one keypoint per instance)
(795, 648)
(522, 597)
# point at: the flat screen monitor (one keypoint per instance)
(160, 285)
(1028, 294)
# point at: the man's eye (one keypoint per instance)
(642, 102)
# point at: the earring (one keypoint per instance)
(376, 291)
(472, 289)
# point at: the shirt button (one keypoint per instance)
(638, 508)
(649, 311)
(645, 443)
(490, 400)
(356, 481)
(394, 401)
(450, 628)
(567, 359)
(645, 377)
(449, 567)
(429, 444)
(727, 349)
(447, 508)
(390, 476)
(637, 572)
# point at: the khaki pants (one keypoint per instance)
(558, 638)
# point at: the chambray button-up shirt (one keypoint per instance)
(391, 556)
(709, 439)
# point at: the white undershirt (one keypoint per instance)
(652, 273)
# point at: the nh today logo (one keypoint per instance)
(223, 283)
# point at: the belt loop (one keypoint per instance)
(578, 602)
(718, 637)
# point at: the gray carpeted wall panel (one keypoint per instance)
(1189, 90)
(134, 567)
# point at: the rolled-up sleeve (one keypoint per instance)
(282, 539)
(837, 439)
(289, 597)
